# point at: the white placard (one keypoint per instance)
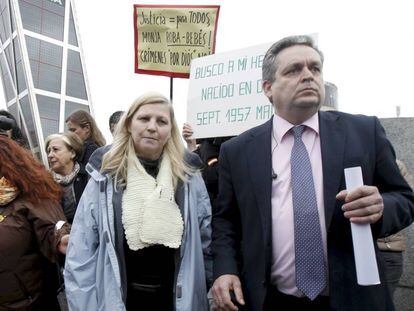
(225, 95)
(364, 252)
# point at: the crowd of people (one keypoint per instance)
(261, 221)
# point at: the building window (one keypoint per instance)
(49, 114)
(45, 63)
(45, 17)
(72, 30)
(71, 107)
(14, 57)
(7, 82)
(75, 83)
(5, 21)
(28, 117)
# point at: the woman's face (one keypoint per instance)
(150, 129)
(82, 132)
(61, 159)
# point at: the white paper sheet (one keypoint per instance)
(364, 252)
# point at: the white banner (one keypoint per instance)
(225, 95)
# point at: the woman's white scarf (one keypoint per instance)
(149, 212)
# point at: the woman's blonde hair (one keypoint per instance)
(115, 161)
(83, 118)
(71, 141)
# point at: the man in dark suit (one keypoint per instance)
(258, 241)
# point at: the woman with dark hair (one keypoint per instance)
(63, 151)
(33, 229)
(83, 124)
(16, 133)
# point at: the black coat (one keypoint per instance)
(88, 148)
(242, 227)
(80, 183)
(70, 203)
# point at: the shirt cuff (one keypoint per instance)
(59, 224)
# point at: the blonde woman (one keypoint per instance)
(141, 235)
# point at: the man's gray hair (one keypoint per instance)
(269, 62)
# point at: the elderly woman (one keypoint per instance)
(63, 152)
(32, 229)
(143, 221)
(83, 124)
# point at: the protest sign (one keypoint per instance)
(168, 37)
(225, 94)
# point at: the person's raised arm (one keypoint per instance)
(188, 137)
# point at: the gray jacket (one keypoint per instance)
(94, 273)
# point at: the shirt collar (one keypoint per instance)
(281, 126)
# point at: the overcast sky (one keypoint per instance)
(368, 47)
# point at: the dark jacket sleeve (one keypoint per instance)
(226, 223)
(397, 195)
(44, 217)
(193, 160)
(88, 148)
(80, 182)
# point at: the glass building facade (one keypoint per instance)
(331, 96)
(41, 66)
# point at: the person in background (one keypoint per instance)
(33, 229)
(392, 247)
(143, 221)
(208, 150)
(282, 225)
(114, 119)
(83, 124)
(63, 151)
(15, 132)
(6, 125)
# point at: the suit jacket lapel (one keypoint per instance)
(332, 136)
(258, 151)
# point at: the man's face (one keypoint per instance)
(298, 89)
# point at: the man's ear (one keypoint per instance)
(267, 90)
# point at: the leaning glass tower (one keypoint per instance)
(41, 66)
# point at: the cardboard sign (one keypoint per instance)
(225, 95)
(169, 37)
